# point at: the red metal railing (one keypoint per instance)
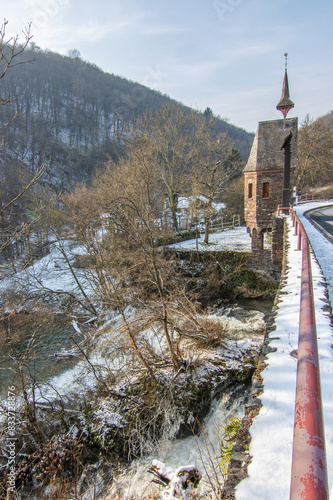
(309, 469)
(304, 198)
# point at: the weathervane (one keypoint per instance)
(286, 60)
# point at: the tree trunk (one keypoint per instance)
(173, 202)
(175, 360)
(207, 220)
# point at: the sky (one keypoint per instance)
(224, 54)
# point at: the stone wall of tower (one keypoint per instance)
(263, 174)
(250, 201)
(263, 189)
(258, 208)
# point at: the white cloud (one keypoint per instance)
(64, 35)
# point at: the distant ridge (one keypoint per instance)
(72, 113)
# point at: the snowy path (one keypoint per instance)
(272, 431)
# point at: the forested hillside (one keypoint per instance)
(72, 113)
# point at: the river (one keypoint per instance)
(204, 449)
(31, 341)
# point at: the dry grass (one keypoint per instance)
(204, 331)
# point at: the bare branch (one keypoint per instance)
(34, 179)
(10, 49)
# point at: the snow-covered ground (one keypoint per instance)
(236, 239)
(50, 272)
(272, 430)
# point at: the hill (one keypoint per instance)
(72, 114)
(327, 120)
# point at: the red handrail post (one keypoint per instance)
(299, 239)
(309, 470)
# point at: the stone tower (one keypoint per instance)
(267, 176)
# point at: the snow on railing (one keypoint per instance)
(309, 468)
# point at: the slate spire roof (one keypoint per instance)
(285, 104)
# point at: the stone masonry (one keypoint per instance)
(264, 182)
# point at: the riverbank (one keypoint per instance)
(103, 402)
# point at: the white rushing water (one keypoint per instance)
(243, 326)
(203, 451)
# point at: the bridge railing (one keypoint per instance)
(309, 468)
(305, 198)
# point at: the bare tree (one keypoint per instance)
(176, 140)
(14, 225)
(315, 150)
(120, 222)
(213, 173)
(190, 157)
(10, 50)
(233, 197)
(133, 204)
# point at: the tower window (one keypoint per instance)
(250, 190)
(265, 190)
